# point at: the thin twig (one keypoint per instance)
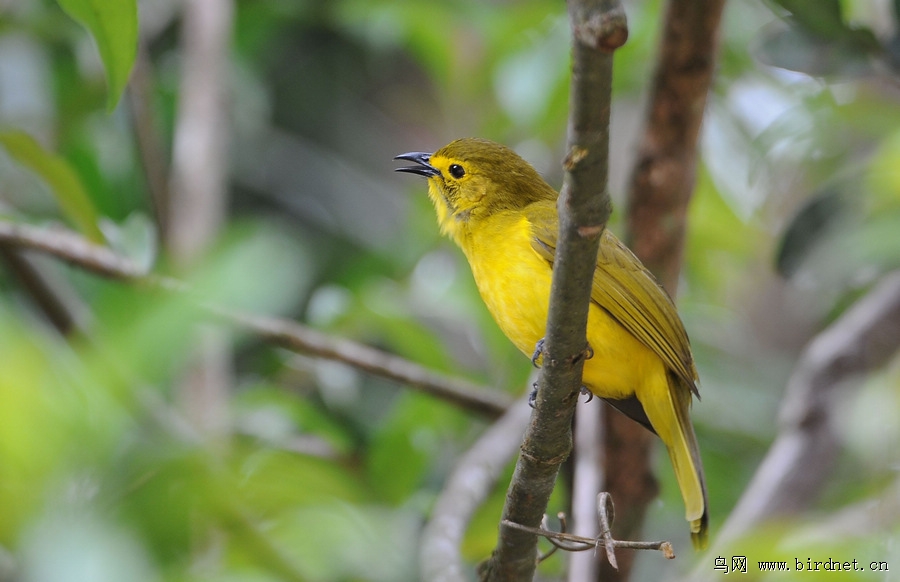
(78, 251)
(606, 515)
(575, 543)
(72, 248)
(297, 337)
(148, 140)
(58, 302)
(558, 539)
(563, 528)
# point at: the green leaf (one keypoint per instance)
(114, 25)
(64, 182)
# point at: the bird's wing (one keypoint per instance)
(628, 292)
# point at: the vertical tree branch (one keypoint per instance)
(197, 205)
(587, 477)
(598, 28)
(664, 174)
(197, 201)
(661, 186)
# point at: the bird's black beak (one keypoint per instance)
(421, 158)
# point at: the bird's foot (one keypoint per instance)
(588, 393)
(532, 398)
(538, 353)
(586, 354)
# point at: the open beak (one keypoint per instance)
(421, 158)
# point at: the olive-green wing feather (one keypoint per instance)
(628, 292)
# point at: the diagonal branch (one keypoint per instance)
(72, 248)
(297, 337)
(793, 472)
(468, 486)
(598, 28)
(59, 303)
(78, 251)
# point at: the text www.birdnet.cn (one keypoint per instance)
(739, 565)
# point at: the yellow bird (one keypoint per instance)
(502, 214)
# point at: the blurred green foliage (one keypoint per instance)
(114, 26)
(328, 474)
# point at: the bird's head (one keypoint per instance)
(470, 179)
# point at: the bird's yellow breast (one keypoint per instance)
(514, 282)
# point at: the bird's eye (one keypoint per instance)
(457, 171)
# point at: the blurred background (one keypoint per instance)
(116, 464)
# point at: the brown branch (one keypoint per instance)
(661, 186)
(468, 486)
(59, 303)
(598, 28)
(664, 173)
(148, 139)
(72, 248)
(297, 337)
(793, 472)
(76, 250)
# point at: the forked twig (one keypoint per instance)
(573, 543)
(563, 526)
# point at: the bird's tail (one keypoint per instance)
(669, 414)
